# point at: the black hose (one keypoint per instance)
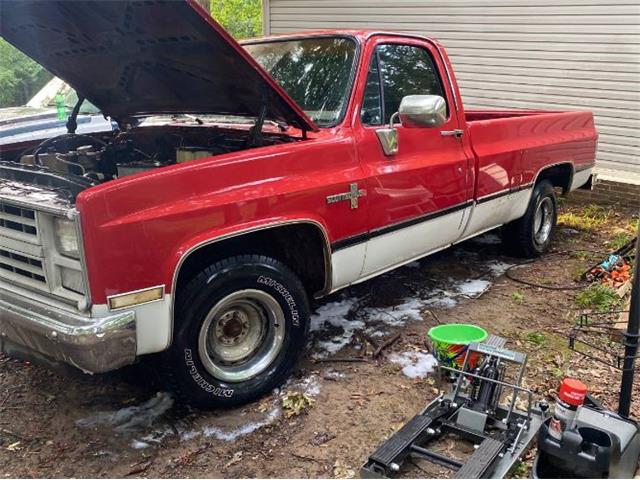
(510, 276)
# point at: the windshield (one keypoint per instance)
(46, 97)
(315, 72)
(70, 98)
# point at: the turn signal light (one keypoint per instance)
(138, 297)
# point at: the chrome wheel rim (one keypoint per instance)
(241, 335)
(543, 221)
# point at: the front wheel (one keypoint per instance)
(240, 327)
(530, 236)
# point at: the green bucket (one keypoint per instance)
(450, 342)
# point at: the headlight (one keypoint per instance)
(72, 280)
(66, 237)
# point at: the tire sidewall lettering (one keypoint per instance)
(201, 381)
(286, 296)
(188, 376)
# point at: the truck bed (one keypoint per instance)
(512, 146)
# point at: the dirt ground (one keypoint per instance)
(119, 425)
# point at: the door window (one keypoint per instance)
(396, 71)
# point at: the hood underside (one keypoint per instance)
(141, 57)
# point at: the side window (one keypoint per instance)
(404, 70)
(372, 101)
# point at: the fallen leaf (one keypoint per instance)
(237, 457)
(14, 446)
(294, 403)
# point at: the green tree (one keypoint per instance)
(241, 18)
(20, 77)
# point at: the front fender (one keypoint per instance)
(212, 236)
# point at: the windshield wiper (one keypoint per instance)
(72, 123)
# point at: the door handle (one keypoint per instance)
(452, 133)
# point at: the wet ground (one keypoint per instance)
(359, 390)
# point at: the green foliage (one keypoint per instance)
(241, 18)
(520, 471)
(20, 77)
(537, 338)
(590, 217)
(517, 297)
(598, 297)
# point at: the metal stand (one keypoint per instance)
(471, 410)
(631, 340)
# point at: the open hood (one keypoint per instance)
(146, 57)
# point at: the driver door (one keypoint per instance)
(417, 196)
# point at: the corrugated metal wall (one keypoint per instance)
(571, 54)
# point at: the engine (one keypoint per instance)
(100, 158)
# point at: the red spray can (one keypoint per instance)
(570, 396)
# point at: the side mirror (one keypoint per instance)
(422, 111)
(416, 111)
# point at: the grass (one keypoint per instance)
(619, 239)
(632, 226)
(537, 338)
(589, 217)
(580, 254)
(576, 272)
(517, 297)
(598, 297)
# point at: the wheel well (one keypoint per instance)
(559, 175)
(301, 246)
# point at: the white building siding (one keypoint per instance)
(571, 54)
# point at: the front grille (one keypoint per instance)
(17, 220)
(28, 254)
(22, 266)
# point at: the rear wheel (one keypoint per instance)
(530, 236)
(240, 327)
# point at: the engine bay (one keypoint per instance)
(99, 158)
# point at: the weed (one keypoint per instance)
(557, 372)
(537, 338)
(517, 297)
(598, 297)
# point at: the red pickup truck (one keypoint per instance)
(242, 181)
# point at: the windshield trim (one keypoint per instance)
(352, 74)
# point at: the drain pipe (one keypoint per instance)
(631, 339)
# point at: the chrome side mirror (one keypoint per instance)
(388, 137)
(423, 111)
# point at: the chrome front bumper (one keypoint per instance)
(33, 329)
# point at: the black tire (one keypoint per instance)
(184, 370)
(520, 236)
